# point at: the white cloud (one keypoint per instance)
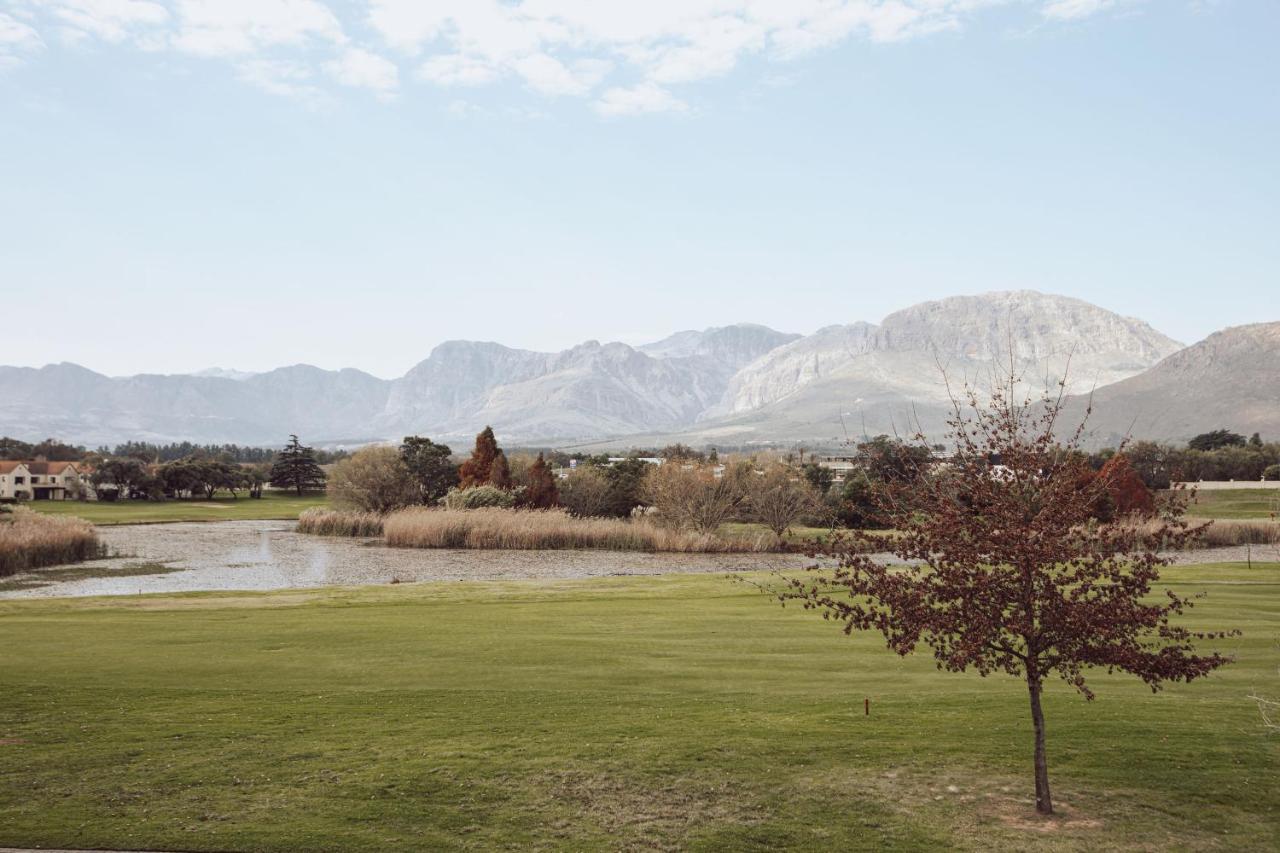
(644, 98)
(364, 69)
(554, 47)
(1072, 10)
(109, 20)
(454, 69)
(238, 27)
(16, 41)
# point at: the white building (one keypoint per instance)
(38, 480)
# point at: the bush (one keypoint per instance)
(587, 492)
(479, 497)
(375, 479)
(693, 497)
(1271, 473)
(329, 522)
(29, 540)
(550, 529)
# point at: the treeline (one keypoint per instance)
(1217, 455)
(148, 452)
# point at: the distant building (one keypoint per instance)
(38, 480)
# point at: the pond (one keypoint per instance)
(266, 555)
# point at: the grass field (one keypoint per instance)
(672, 712)
(271, 505)
(1235, 503)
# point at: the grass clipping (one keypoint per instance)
(30, 540)
(526, 530)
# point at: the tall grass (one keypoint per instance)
(552, 530)
(1233, 532)
(335, 522)
(30, 540)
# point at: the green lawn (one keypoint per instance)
(271, 505)
(660, 713)
(1235, 503)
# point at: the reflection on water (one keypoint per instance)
(261, 555)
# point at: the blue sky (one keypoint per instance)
(251, 183)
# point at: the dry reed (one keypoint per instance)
(422, 527)
(335, 522)
(29, 540)
(1222, 533)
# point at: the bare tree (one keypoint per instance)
(694, 496)
(779, 497)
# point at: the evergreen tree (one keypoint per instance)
(475, 471)
(296, 468)
(430, 466)
(500, 472)
(541, 492)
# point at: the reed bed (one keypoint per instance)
(29, 540)
(1231, 532)
(552, 530)
(319, 521)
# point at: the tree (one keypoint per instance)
(692, 496)
(295, 468)
(114, 477)
(888, 459)
(540, 490)
(256, 476)
(1255, 440)
(779, 497)
(1125, 491)
(477, 471)
(819, 476)
(430, 466)
(500, 472)
(587, 492)
(374, 479)
(1007, 572)
(1216, 439)
(1271, 473)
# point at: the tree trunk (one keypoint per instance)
(1044, 802)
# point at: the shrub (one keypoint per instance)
(330, 522)
(29, 540)
(1272, 473)
(375, 479)
(550, 529)
(479, 497)
(694, 497)
(587, 492)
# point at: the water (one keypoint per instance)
(266, 555)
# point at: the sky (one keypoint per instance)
(257, 183)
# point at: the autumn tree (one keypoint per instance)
(540, 486)
(1003, 569)
(1126, 493)
(487, 465)
(295, 468)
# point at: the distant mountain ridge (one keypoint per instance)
(731, 384)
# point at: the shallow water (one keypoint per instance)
(265, 555)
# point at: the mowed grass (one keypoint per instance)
(1235, 503)
(677, 712)
(272, 505)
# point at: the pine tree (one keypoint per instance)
(295, 468)
(475, 471)
(500, 472)
(541, 492)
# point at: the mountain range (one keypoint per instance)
(730, 385)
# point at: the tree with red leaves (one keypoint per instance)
(1005, 570)
(540, 491)
(487, 460)
(1127, 493)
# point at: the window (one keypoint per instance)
(53, 479)
(18, 481)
